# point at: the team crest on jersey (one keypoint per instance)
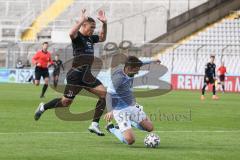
(89, 44)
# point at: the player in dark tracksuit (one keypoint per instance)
(57, 64)
(210, 77)
(79, 76)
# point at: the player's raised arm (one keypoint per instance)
(74, 31)
(103, 32)
(150, 60)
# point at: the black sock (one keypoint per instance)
(100, 107)
(223, 87)
(55, 82)
(30, 78)
(45, 86)
(203, 89)
(214, 90)
(53, 104)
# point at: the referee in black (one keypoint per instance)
(79, 76)
(210, 77)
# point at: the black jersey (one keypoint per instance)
(57, 65)
(83, 50)
(210, 70)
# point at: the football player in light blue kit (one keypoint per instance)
(121, 103)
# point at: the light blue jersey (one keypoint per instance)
(120, 90)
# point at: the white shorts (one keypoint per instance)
(124, 116)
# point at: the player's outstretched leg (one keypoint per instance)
(126, 136)
(139, 119)
(94, 126)
(55, 103)
(137, 125)
(145, 125)
(39, 111)
(100, 91)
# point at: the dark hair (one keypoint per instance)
(212, 56)
(90, 19)
(44, 43)
(133, 62)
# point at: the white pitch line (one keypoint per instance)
(216, 131)
(2, 133)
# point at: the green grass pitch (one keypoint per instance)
(188, 127)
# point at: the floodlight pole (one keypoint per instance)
(224, 48)
(173, 56)
(122, 23)
(145, 28)
(196, 65)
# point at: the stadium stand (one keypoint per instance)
(20, 20)
(123, 14)
(119, 20)
(3, 54)
(17, 15)
(220, 39)
(48, 15)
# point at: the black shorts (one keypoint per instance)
(56, 73)
(77, 80)
(41, 72)
(210, 80)
(222, 78)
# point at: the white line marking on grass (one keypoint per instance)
(216, 131)
(2, 133)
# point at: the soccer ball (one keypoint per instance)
(152, 140)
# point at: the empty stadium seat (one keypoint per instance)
(221, 39)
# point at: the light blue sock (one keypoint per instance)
(136, 125)
(118, 134)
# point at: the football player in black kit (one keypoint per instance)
(57, 64)
(79, 76)
(209, 78)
